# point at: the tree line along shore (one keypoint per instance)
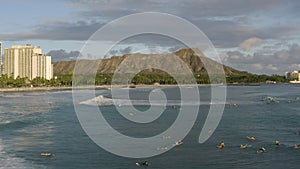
(65, 80)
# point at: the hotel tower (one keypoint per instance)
(27, 61)
(1, 64)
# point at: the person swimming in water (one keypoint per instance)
(178, 143)
(277, 143)
(251, 138)
(145, 163)
(243, 146)
(222, 145)
(261, 150)
(297, 146)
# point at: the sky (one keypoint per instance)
(258, 36)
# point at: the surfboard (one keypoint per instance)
(219, 147)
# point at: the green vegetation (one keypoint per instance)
(253, 78)
(6, 81)
(9, 82)
(147, 78)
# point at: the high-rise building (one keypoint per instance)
(295, 74)
(0, 52)
(27, 61)
(1, 64)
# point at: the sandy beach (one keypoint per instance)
(86, 87)
(63, 88)
(34, 89)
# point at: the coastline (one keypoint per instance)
(21, 89)
(24, 89)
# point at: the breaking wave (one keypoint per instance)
(104, 101)
(9, 161)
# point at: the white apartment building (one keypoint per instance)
(1, 64)
(27, 61)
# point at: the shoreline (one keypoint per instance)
(21, 89)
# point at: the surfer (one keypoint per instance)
(178, 143)
(46, 154)
(222, 145)
(297, 146)
(142, 164)
(261, 150)
(251, 138)
(243, 146)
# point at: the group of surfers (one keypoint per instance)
(261, 150)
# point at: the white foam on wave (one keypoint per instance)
(13, 95)
(102, 100)
(59, 91)
(99, 100)
(9, 161)
(6, 122)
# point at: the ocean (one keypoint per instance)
(37, 122)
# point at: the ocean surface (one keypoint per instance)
(37, 122)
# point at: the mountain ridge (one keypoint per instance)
(193, 58)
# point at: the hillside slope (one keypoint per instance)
(194, 59)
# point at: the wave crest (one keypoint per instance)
(104, 101)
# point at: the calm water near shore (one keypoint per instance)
(35, 122)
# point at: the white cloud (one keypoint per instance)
(277, 62)
(235, 57)
(248, 44)
(257, 66)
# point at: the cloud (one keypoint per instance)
(248, 44)
(273, 63)
(294, 67)
(120, 52)
(233, 57)
(243, 29)
(174, 48)
(236, 20)
(62, 55)
(272, 67)
(125, 50)
(227, 23)
(79, 30)
(180, 7)
(257, 66)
